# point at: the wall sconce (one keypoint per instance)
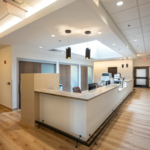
(122, 65)
(127, 65)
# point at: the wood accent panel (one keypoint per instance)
(84, 78)
(30, 100)
(129, 130)
(27, 67)
(147, 77)
(65, 77)
(112, 70)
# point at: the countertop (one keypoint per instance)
(87, 95)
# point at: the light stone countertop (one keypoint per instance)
(87, 95)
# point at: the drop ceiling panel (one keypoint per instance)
(134, 36)
(146, 34)
(146, 28)
(126, 15)
(111, 5)
(145, 20)
(145, 10)
(143, 1)
(138, 40)
(132, 23)
(132, 31)
(147, 38)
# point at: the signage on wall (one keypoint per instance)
(5, 62)
(143, 59)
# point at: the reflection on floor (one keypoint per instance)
(130, 130)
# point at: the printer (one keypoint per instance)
(106, 77)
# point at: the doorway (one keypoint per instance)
(112, 70)
(141, 77)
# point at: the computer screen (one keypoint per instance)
(91, 86)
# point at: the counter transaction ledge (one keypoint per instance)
(73, 113)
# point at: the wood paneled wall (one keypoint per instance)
(84, 78)
(65, 77)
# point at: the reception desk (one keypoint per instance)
(80, 113)
(73, 113)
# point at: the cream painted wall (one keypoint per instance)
(21, 52)
(102, 67)
(139, 62)
(5, 76)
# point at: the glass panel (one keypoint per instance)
(140, 72)
(74, 77)
(90, 75)
(140, 81)
(48, 68)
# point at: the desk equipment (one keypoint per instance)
(106, 77)
(92, 86)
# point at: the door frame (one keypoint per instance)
(112, 67)
(29, 60)
(147, 78)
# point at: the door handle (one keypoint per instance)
(8, 83)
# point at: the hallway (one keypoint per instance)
(130, 130)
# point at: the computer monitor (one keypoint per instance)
(92, 86)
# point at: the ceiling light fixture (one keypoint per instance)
(53, 35)
(68, 50)
(120, 50)
(135, 40)
(114, 44)
(120, 3)
(99, 33)
(40, 47)
(87, 52)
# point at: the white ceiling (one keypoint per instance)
(135, 13)
(77, 16)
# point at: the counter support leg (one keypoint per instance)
(77, 142)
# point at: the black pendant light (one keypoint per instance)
(68, 50)
(87, 51)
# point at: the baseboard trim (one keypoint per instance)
(8, 108)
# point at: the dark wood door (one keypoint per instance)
(84, 78)
(27, 67)
(112, 70)
(141, 75)
(65, 77)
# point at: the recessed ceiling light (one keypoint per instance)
(135, 40)
(99, 33)
(114, 44)
(40, 47)
(120, 3)
(53, 35)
